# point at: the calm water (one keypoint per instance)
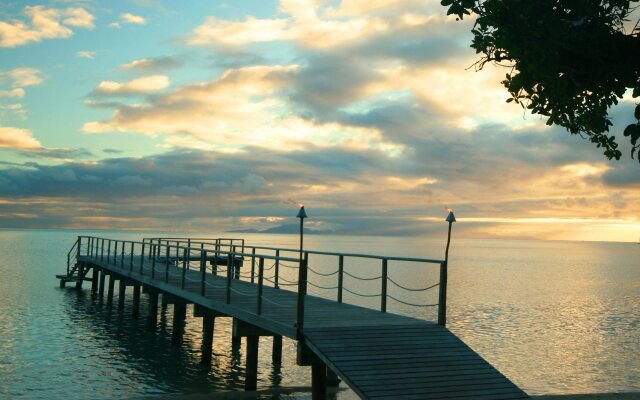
(555, 317)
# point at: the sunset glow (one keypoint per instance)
(213, 115)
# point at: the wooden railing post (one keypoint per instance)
(102, 250)
(79, 245)
(253, 264)
(189, 247)
(203, 271)
(142, 259)
(302, 291)
(260, 281)
(115, 252)
(277, 272)
(166, 264)
(383, 294)
(442, 295)
(90, 247)
(184, 267)
(122, 256)
(340, 277)
(229, 275)
(131, 257)
(214, 263)
(236, 269)
(153, 260)
(177, 249)
(109, 252)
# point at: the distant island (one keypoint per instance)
(283, 229)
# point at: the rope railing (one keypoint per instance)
(411, 304)
(361, 294)
(287, 280)
(361, 278)
(412, 289)
(322, 274)
(322, 287)
(283, 264)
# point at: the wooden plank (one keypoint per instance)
(493, 396)
(453, 394)
(438, 370)
(415, 362)
(435, 385)
(402, 356)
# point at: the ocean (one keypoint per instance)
(556, 317)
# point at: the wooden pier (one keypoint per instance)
(376, 353)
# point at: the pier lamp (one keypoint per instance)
(450, 219)
(302, 214)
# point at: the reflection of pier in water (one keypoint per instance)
(147, 350)
(379, 354)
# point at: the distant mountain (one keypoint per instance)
(285, 229)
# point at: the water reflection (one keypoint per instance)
(147, 361)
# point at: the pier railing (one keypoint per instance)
(280, 268)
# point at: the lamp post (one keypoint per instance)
(450, 219)
(442, 295)
(302, 214)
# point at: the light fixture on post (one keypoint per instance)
(442, 295)
(450, 219)
(302, 214)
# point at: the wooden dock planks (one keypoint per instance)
(379, 355)
(416, 361)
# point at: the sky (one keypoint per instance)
(214, 116)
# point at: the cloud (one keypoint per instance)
(17, 93)
(143, 85)
(17, 138)
(16, 109)
(44, 23)
(243, 107)
(22, 77)
(313, 25)
(89, 55)
(152, 64)
(132, 19)
(353, 191)
(252, 30)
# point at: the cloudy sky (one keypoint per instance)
(212, 115)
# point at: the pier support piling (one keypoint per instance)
(318, 381)
(251, 374)
(208, 323)
(101, 285)
(236, 338)
(152, 317)
(121, 294)
(179, 314)
(112, 283)
(94, 279)
(80, 274)
(135, 311)
(276, 352)
(63, 283)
